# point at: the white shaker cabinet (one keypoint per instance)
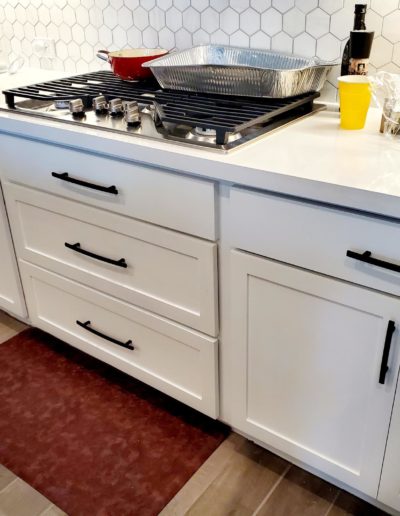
(389, 489)
(11, 297)
(309, 351)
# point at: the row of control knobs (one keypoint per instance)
(115, 108)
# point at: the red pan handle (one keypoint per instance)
(103, 55)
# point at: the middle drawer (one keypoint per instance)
(163, 271)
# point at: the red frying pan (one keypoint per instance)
(127, 63)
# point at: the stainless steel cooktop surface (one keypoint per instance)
(102, 101)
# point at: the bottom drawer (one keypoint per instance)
(170, 357)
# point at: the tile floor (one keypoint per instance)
(239, 479)
(243, 479)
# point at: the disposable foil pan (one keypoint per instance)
(239, 71)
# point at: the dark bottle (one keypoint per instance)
(359, 24)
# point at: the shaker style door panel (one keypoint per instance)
(309, 352)
(11, 296)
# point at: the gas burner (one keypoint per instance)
(61, 104)
(204, 135)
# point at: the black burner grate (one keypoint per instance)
(222, 113)
(86, 87)
(225, 114)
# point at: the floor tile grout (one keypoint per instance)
(9, 484)
(269, 494)
(198, 484)
(50, 506)
(332, 503)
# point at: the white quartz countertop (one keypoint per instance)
(312, 158)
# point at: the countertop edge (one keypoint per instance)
(198, 163)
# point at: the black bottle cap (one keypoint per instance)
(360, 8)
(361, 43)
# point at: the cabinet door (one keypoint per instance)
(389, 489)
(11, 297)
(308, 351)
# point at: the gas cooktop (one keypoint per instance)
(142, 109)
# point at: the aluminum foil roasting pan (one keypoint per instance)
(239, 71)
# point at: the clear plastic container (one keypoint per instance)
(386, 93)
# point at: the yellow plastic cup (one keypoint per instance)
(354, 98)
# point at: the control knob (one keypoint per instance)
(100, 104)
(115, 107)
(76, 108)
(132, 114)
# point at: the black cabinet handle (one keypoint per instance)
(367, 258)
(86, 326)
(64, 176)
(77, 248)
(386, 350)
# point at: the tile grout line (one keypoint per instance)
(50, 506)
(332, 503)
(271, 491)
(9, 484)
(205, 465)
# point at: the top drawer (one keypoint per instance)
(317, 238)
(178, 202)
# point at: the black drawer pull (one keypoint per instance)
(65, 177)
(386, 350)
(86, 326)
(367, 258)
(77, 248)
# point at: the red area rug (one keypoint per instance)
(90, 438)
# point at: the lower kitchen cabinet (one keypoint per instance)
(179, 361)
(11, 296)
(389, 489)
(160, 270)
(308, 358)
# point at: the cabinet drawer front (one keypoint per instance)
(318, 238)
(166, 272)
(178, 202)
(309, 352)
(171, 358)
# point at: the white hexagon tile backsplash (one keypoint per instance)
(305, 27)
